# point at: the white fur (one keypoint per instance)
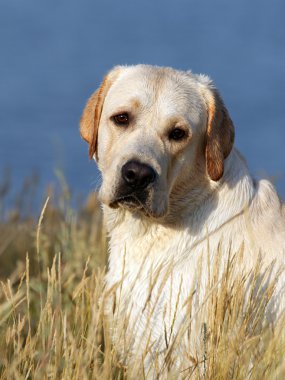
(244, 213)
(191, 213)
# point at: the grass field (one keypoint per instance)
(51, 314)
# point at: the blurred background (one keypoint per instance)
(54, 54)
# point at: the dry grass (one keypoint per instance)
(52, 298)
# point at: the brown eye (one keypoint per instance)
(177, 134)
(121, 119)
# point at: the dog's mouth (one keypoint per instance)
(140, 202)
(131, 202)
(128, 200)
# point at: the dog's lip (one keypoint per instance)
(128, 200)
(133, 203)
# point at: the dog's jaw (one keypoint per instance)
(135, 206)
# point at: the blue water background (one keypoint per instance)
(54, 53)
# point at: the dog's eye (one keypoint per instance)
(121, 119)
(177, 134)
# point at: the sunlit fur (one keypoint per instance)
(159, 255)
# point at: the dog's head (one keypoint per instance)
(153, 129)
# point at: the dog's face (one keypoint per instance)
(151, 129)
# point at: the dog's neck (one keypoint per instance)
(202, 211)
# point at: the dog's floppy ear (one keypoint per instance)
(219, 135)
(90, 119)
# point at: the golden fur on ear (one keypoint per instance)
(89, 123)
(87, 118)
(219, 135)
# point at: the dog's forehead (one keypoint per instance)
(169, 90)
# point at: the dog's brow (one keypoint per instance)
(128, 106)
(135, 103)
(174, 120)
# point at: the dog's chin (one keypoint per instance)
(127, 202)
(136, 206)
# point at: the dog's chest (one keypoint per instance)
(155, 276)
(160, 274)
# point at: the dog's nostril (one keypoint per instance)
(136, 174)
(130, 175)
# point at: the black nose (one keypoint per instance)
(138, 175)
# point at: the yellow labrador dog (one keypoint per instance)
(175, 192)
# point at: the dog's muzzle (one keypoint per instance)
(136, 179)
